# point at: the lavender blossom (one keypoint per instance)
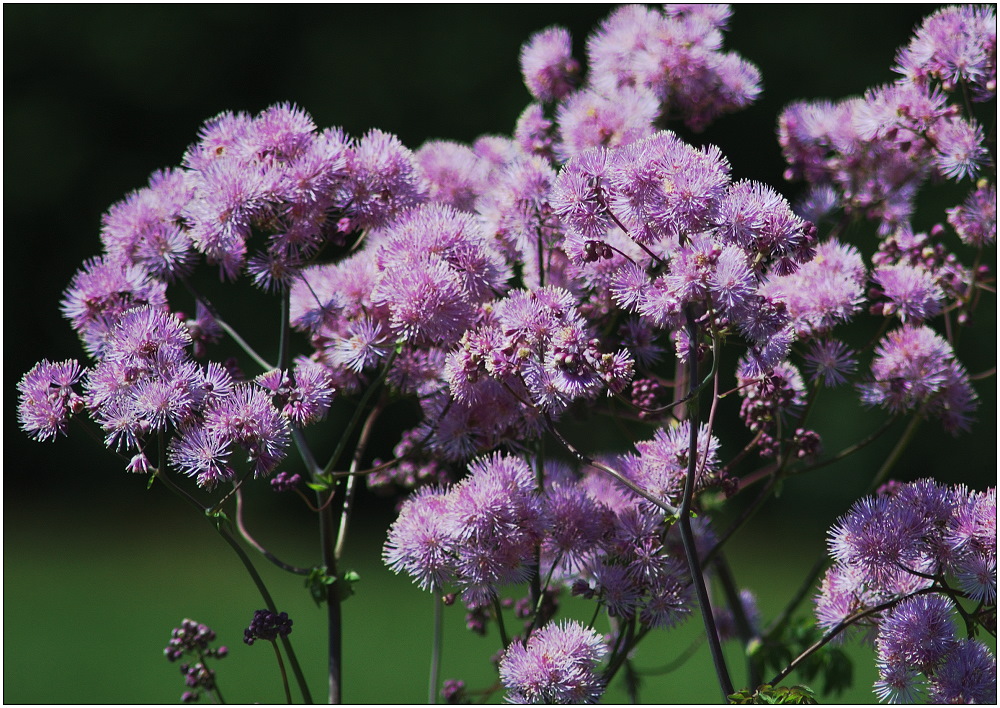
(911, 293)
(421, 540)
(955, 46)
(47, 400)
(975, 220)
(968, 675)
(914, 367)
(558, 664)
(547, 64)
(384, 180)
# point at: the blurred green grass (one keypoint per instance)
(90, 597)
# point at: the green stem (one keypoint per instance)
(896, 453)
(283, 328)
(284, 675)
(352, 480)
(541, 590)
(224, 326)
(254, 575)
(349, 430)
(498, 611)
(684, 519)
(241, 527)
(436, 648)
(215, 685)
(746, 633)
(665, 506)
(333, 610)
(840, 627)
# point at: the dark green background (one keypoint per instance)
(97, 569)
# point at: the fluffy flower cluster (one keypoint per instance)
(536, 346)
(705, 244)
(479, 534)
(877, 151)
(954, 47)
(920, 543)
(676, 55)
(558, 664)
(590, 534)
(915, 369)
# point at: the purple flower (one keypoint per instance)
(677, 56)
(534, 133)
(825, 292)
(384, 180)
(454, 173)
(145, 227)
(733, 283)
(558, 664)
(497, 522)
(660, 187)
(968, 675)
(665, 460)
(145, 336)
(830, 361)
(547, 64)
(842, 592)
(364, 345)
(308, 400)
(218, 139)
(101, 291)
(268, 626)
(588, 119)
(47, 399)
(975, 220)
(280, 133)
(918, 632)
(199, 452)
(955, 45)
(898, 683)
(879, 537)
(421, 540)
(248, 418)
(914, 367)
(959, 151)
(977, 577)
(912, 293)
(426, 304)
(575, 524)
(229, 197)
(725, 621)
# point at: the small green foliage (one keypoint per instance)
(217, 517)
(775, 696)
(320, 486)
(345, 585)
(317, 581)
(793, 639)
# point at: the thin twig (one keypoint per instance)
(684, 520)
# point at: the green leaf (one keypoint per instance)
(317, 582)
(345, 585)
(218, 518)
(318, 486)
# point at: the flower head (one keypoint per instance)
(547, 64)
(558, 664)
